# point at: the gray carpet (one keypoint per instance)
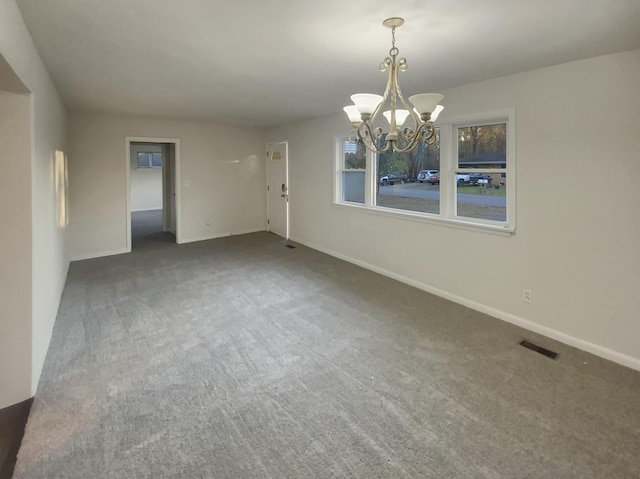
(146, 230)
(240, 358)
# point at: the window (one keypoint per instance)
(353, 169)
(466, 177)
(481, 171)
(147, 159)
(396, 172)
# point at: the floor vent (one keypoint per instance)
(539, 349)
(290, 246)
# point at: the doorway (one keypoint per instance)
(278, 188)
(153, 199)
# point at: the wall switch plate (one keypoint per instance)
(526, 295)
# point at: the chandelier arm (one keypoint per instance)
(369, 137)
(393, 83)
(426, 132)
(390, 64)
(417, 121)
(410, 146)
(374, 148)
(365, 129)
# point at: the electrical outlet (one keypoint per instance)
(526, 295)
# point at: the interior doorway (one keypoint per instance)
(278, 188)
(153, 199)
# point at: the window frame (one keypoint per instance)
(340, 169)
(448, 169)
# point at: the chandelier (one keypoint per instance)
(423, 109)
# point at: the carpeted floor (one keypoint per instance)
(146, 231)
(240, 358)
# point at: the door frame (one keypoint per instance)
(176, 172)
(286, 176)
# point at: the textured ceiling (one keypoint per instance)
(265, 63)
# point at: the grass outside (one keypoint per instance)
(468, 189)
(467, 210)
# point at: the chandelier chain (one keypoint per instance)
(394, 51)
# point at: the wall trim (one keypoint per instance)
(220, 235)
(616, 357)
(147, 209)
(83, 256)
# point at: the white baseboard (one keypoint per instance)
(80, 257)
(219, 235)
(148, 209)
(84, 256)
(623, 359)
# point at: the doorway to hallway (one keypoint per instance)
(153, 212)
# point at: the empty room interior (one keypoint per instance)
(221, 259)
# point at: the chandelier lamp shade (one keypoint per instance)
(423, 109)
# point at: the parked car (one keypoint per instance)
(462, 179)
(394, 177)
(474, 178)
(433, 179)
(424, 175)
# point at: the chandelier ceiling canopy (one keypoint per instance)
(423, 109)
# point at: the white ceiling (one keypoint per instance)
(270, 62)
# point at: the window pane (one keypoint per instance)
(353, 186)
(144, 160)
(355, 155)
(484, 196)
(156, 160)
(397, 173)
(482, 146)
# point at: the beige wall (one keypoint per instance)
(578, 228)
(221, 171)
(49, 262)
(15, 248)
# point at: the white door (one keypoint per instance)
(278, 189)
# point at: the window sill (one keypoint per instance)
(500, 230)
